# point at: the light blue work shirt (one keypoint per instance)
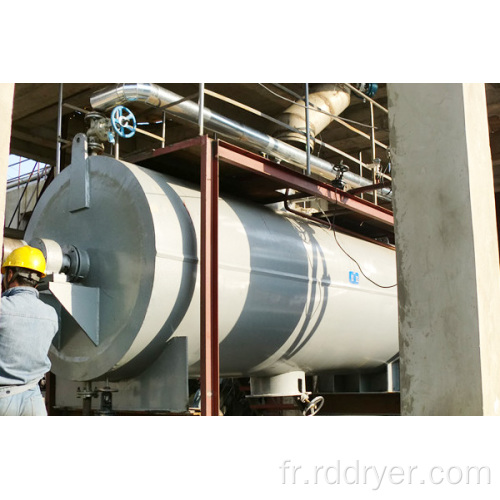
(27, 327)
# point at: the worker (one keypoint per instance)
(27, 327)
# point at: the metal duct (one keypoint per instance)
(157, 96)
(331, 98)
(10, 244)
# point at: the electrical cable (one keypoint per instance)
(332, 224)
(320, 142)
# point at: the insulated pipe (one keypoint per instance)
(9, 245)
(159, 97)
(331, 98)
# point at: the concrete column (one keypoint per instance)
(447, 250)
(6, 105)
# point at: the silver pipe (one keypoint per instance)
(157, 96)
(201, 105)
(117, 147)
(59, 131)
(308, 132)
(163, 129)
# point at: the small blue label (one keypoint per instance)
(354, 277)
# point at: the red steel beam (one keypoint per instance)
(254, 163)
(178, 146)
(209, 304)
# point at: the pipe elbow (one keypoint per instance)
(123, 93)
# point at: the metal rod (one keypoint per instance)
(372, 121)
(287, 90)
(18, 162)
(374, 150)
(364, 96)
(209, 289)
(59, 131)
(18, 182)
(201, 107)
(149, 134)
(76, 108)
(163, 129)
(369, 188)
(254, 111)
(361, 170)
(345, 155)
(308, 146)
(18, 206)
(357, 131)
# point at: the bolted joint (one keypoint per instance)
(78, 263)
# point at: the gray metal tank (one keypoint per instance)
(290, 299)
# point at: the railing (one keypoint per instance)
(369, 170)
(374, 173)
(28, 198)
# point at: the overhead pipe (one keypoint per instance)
(330, 98)
(10, 244)
(308, 132)
(159, 97)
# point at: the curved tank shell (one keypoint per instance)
(289, 297)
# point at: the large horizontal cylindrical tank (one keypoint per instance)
(289, 297)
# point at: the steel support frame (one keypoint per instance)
(209, 268)
(255, 163)
(211, 152)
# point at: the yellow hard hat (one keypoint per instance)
(26, 257)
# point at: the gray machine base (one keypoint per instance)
(163, 387)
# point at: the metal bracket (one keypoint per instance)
(80, 177)
(163, 386)
(81, 303)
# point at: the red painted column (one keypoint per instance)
(209, 306)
